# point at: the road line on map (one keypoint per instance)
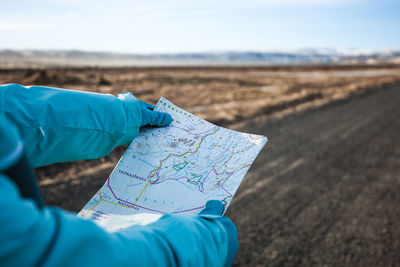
(93, 206)
(180, 211)
(117, 204)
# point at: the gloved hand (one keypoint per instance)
(214, 209)
(153, 118)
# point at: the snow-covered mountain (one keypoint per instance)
(305, 56)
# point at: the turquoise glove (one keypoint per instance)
(215, 208)
(153, 118)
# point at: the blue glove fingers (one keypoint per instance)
(154, 118)
(213, 207)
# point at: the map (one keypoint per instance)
(173, 169)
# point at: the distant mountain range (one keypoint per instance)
(31, 58)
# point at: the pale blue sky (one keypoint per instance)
(186, 26)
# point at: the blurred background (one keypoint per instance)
(320, 79)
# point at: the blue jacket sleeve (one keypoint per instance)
(52, 237)
(65, 125)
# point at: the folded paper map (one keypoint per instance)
(173, 169)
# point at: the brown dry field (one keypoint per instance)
(324, 191)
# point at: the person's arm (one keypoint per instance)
(52, 237)
(58, 125)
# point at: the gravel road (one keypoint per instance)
(325, 189)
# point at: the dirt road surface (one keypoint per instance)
(325, 190)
